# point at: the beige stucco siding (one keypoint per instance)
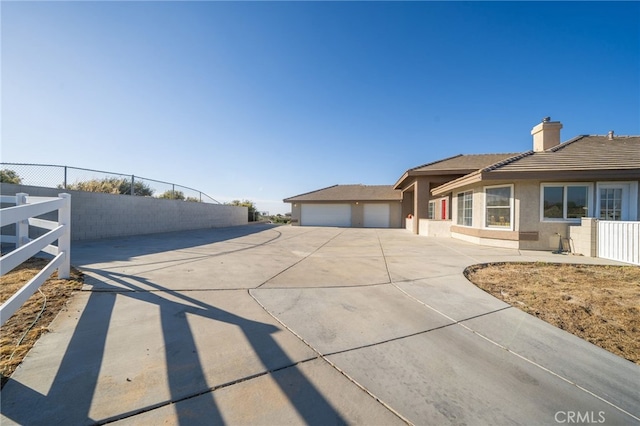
(296, 214)
(395, 214)
(527, 229)
(529, 221)
(531, 232)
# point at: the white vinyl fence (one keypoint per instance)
(619, 241)
(23, 215)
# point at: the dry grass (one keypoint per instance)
(600, 304)
(56, 291)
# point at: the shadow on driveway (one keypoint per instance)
(74, 388)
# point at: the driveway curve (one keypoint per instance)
(303, 325)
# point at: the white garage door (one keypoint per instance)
(326, 215)
(376, 215)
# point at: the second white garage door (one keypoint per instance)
(326, 215)
(376, 215)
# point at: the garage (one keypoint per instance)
(376, 215)
(357, 206)
(326, 215)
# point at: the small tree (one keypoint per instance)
(140, 188)
(251, 207)
(172, 195)
(10, 176)
(192, 199)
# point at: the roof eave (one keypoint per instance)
(573, 175)
(402, 178)
(454, 184)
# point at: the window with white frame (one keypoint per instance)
(565, 202)
(465, 208)
(498, 207)
(431, 212)
(611, 203)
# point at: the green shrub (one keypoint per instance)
(112, 186)
(9, 176)
(172, 195)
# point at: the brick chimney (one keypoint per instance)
(546, 134)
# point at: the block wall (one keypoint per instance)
(96, 215)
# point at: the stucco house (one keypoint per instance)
(358, 206)
(416, 185)
(528, 200)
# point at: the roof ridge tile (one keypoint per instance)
(315, 190)
(434, 162)
(507, 161)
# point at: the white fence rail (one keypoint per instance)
(23, 215)
(619, 241)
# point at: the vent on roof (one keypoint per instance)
(610, 135)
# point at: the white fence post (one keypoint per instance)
(29, 209)
(64, 242)
(22, 227)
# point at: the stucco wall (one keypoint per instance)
(528, 230)
(357, 215)
(395, 215)
(584, 237)
(96, 215)
(296, 214)
(435, 228)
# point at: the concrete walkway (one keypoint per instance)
(292, 325)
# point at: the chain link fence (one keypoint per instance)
(74, 178)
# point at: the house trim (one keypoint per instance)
(494, 234)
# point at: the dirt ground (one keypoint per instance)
(600, 304)
(24, 328)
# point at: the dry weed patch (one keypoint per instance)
(600, 304)
(24, 328)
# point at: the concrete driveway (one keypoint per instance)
(291, 325)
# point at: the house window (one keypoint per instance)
(431, 212)
(611, 203)
(465, 208)
(498, 207)
(565, 202)
(617, 201)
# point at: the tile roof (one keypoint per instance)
(349, 193)
(460, 164)
(581, 153)
(463, 162)
(583, 157)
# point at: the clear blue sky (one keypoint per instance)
(267, 100)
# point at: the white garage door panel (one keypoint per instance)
(326, 215)
(376, 215)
